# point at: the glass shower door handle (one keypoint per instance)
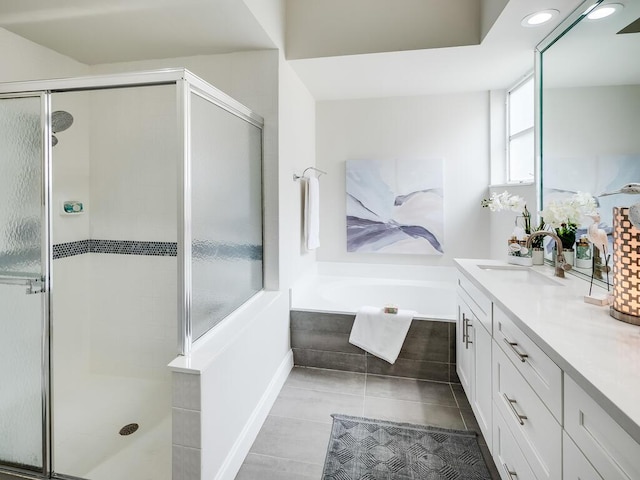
(34, 284)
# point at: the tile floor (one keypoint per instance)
(293, 440)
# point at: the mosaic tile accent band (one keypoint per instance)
(226, 251)
(121, 247)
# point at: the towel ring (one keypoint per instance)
(298, 177)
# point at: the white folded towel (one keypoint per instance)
(312, 213)
(381, 334)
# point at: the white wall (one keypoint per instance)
(453, 127)
(591, 121)
(297, 152)
(24, 60)
(71, 288)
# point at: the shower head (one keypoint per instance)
(60, 121)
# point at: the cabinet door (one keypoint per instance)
(575, 465)
(509, 460)
(464, 348)
(536, 431)
(482, 388)
(611, 450)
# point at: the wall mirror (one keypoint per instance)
(588, 79)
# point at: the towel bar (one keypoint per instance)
(298, 177)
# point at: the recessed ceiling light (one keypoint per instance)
(538, 18)
(604, 11)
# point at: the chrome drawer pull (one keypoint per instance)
(467, 324)
(512, 346)
(511, 473)
(464, 328)
(512, 403)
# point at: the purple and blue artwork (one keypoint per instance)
(395, 206)
(562, 177)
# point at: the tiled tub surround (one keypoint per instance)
(322, 340)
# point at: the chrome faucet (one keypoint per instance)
(561, 263)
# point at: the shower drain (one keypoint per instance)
(129, 429)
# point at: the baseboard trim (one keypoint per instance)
(241, 447)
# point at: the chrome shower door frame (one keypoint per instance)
(193, 85)
(41, 286)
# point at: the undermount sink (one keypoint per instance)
(516, 274)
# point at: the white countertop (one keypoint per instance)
(600, 353)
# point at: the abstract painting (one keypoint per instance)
(562, 177)
(395, 206)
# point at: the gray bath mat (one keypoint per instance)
(366, 449)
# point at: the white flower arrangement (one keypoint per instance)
(504, 201)
(569, 211)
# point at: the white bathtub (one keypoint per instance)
(344, 288)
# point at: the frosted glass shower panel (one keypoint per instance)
(21, 314)
(20, 185)
(20, 377)
(226, 176)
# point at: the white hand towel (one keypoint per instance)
(312, 213)
(381, 334)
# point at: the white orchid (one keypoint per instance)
(569, 211)
(504, 201)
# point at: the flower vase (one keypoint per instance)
(583, 253)
(537, 255)
(568, 255)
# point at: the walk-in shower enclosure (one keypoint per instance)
(130, 225)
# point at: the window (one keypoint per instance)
(520, 135)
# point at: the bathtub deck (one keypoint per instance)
(344, 288)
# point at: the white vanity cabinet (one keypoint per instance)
(473, 353)
(539, 422)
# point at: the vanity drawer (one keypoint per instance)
(544, 376)
(536, 431)
(508, 458)
(611, 450)
(575, 465)
(479, 303)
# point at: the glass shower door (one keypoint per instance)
(23, 306)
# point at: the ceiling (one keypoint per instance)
(596, 53)
(107, 31)
(339, 48)
(330, 28)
